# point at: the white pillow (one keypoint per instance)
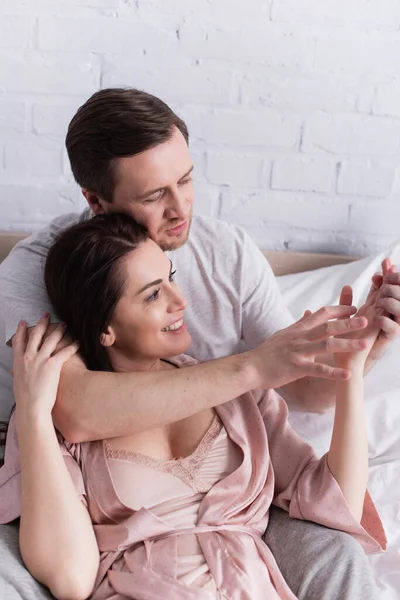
(322, 287)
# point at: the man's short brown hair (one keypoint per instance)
(113, 123)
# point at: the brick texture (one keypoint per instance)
(293, 108)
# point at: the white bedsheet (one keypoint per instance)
(382, 397)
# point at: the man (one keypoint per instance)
(129, 153)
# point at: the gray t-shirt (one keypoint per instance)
(233, 299)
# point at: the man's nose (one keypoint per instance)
(177, 204)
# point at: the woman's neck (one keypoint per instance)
(122, 363)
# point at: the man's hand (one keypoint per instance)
(386, 287)
(290, 353)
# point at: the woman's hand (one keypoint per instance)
(37, 366)
(370, 310)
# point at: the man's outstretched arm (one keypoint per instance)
(97, 405)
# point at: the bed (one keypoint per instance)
(310, 281)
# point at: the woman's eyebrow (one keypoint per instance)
(156, 282)
(149, 285)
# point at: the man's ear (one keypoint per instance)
(97, 205)
(107, 338)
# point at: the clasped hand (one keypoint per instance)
(37, 366)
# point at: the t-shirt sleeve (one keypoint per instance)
(263, 309)
(22, 290)
(304, 484)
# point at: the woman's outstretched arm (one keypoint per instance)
(348, 452)
(57, 540)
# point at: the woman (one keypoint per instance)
(176, 512)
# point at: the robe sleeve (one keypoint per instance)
(10, 474)
(304, 485)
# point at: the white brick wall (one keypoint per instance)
(293, 108)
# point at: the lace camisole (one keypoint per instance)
(174, 489)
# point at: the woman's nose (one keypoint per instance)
(178, 299)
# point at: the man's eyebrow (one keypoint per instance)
(153, 283)
(150, 192)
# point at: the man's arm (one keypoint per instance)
(97, 405)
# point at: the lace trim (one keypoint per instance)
(185, 469)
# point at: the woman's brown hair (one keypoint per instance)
(84, 278)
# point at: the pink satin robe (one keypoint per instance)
(139, 550)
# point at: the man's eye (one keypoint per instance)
(154, 198)
(171, 276)
(185, 181)
(154, 296)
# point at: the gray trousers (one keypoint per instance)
(318, 563)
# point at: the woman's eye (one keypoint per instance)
(154, 296)
(185, 181)
(171, 275)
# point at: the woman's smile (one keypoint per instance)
(175, 327)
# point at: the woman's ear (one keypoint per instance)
(107, 338)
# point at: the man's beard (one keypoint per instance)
(174, 245)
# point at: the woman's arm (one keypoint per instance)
(299, 475)
(57, 540)
(348, 452)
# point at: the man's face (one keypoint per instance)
(156, 189)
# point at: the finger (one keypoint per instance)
(306, 314)
(386, 264)
(50, 343)
(371, 298)
(333, 346)
(329, 312)
(19, 339)
(391, 305)
(390, 291)
(312, 369)
(66, 353)
(346, 296)
(335, 328)
(390, 328)
(36, 334)
(393, 278)
(377, 279)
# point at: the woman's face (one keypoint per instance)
(147, 323)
